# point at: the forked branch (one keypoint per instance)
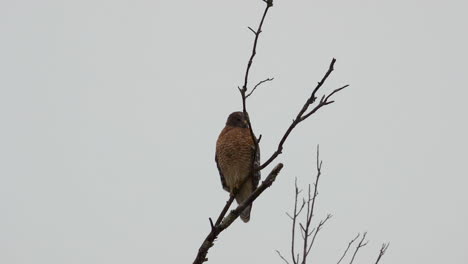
(383, 249)
(303, 114)
(308, 234)
(359, 246)
(349, 245)
(217, 228)
(224, 221)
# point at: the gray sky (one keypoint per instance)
(110, 111)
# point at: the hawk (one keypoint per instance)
(235, 150)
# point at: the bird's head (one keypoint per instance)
(237, 119)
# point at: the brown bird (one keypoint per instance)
(235, 150)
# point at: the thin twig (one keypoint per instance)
(302, 115)
(281, 256)
(258, 84)
(359, 246)
(294, 218)
(243, 90)
(254, 48)
(317, 229)
(308, 235)
(323, 101)
(311, 207)
(383, 249)
(349, 245)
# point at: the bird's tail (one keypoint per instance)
(243, 194)
(245, 215)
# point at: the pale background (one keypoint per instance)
(110, 110)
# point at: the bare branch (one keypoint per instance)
(234, 214)
(281, 256)
(302, 115)
(258, 84)
(253, 31)
(211, 223)
(224, 221)
(383, 249)
(359, 246)
(310, 209)
(335, 91)
(254, 49)
(224, 211)
(349, 245)
(268, 2)
(293, 233)
(317, 229)
(243, 90)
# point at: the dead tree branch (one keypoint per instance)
(296, 213)
(233, 215)
(383, 249)
(223, 221)
(310, 210)
(243, 90)
(302, 115)
(359, 246)
(349, 245)
(308, 235)
(283, 258)
(258, 84)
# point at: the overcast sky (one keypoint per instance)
(110, 110)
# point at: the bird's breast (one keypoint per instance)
(234, 151)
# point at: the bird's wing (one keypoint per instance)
(223, 181)
(256, 174)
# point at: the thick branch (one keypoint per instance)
(233, 215)
(227, 221)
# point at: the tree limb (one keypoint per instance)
(243, 90)
(281, 256)
(359, 246)
(223, 221)
(349, 245)
(258, 84)
(302, 115)
(383, 249)
(233, 215)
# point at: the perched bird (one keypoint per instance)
(235, 151)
